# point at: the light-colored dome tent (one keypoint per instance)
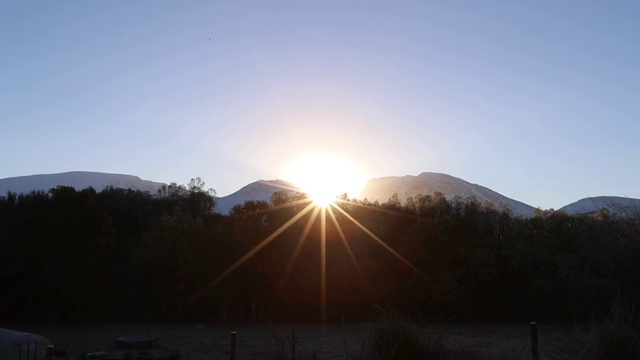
(16, 345)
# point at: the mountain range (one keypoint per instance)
(377, 189)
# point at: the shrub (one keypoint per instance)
(392, 336)
(615, 337)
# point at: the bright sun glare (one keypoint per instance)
(325, 176)
(322, 177)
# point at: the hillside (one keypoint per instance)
(621, 206)
(258, 190)
(78, 180)
(381, 189)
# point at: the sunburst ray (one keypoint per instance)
(334, 220)
(253, 251)
(323, 263)
(297, 250)
(387, 247)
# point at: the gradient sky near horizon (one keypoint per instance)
(537, 100)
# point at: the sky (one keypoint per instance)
(537, 100)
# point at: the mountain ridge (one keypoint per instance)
(78, 180)
(426, 183)
(380, 189)
(260, 190)
(621, 206)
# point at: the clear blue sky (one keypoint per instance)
(538, 100)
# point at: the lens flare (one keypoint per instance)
(325, 176)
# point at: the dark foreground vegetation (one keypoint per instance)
(124, 255)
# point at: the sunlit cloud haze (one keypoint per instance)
(535, 100)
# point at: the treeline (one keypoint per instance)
(116, 255)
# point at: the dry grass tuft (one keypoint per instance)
(616, 337)
(280, 349)
(392, 336)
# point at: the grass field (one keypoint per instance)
(331, 341)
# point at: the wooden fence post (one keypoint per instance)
(232, 350)
(49, 353)
(534, 341)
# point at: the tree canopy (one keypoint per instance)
(69, 255)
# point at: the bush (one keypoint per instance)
(393, 336)
(615, 337)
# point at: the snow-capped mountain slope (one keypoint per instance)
(381, 189)
(259, 190)
(620, 206)
(78, 180)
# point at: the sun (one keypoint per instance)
(325, 176)
(322, 176)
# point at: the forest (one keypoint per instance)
(125, 255)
